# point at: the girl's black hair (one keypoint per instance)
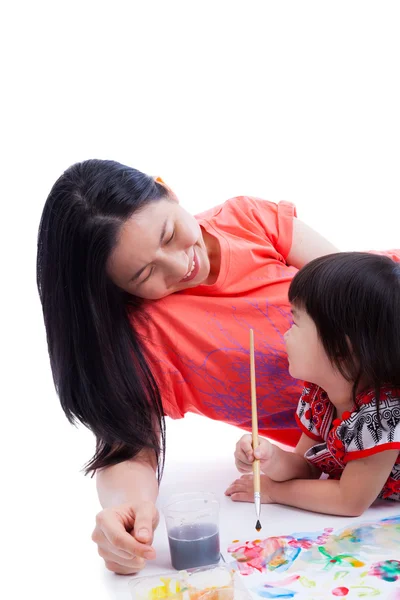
(99, 368)
(354, 300)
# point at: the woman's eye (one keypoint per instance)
(148, 277)
(171, 238)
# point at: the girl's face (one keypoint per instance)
(307, 358)
(160, 251)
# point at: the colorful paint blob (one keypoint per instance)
(314, 565)
(348, 548)
(388, 570)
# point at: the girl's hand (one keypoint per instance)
(242, 489)
(124, 535)
(244, 454)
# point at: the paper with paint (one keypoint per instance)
(209, 583)
(354, 562)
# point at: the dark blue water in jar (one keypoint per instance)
(194, 545)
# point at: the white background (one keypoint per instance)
(283, 100)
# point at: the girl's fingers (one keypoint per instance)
(263, 451)
(241, 497)
(240, 492)
(243, 467)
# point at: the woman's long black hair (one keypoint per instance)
(99, 369)
(354, 300)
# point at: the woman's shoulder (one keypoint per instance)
(241, 206)
(253, 219)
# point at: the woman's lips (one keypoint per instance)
(195, 271)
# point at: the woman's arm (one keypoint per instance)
(360, 484)
(307, 244)
(132, 481)
(125, 527)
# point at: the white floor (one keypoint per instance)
(57, 556)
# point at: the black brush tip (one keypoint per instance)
(258, 526)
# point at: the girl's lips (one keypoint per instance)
(195, 270)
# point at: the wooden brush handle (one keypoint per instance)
(256, 474)
(254, 418)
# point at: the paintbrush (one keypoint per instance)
(254, 428)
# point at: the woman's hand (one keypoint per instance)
(245, 456)
(124, 535)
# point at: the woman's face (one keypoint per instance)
(160, 251)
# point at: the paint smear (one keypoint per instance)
(306, 582)
(388, 570)
(340, 559)
(269, 591)
(323, 549)
(342, 574)
(287, 581)
(365, 590)
(324, 560)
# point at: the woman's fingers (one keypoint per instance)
(124, 535)
(121, 569)
(134, 564)
(146, 520)
(114, 529)
(104, 546)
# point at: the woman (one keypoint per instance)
(147, 311)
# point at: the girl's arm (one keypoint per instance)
(293, 465)
(278, 464)
(360, 484)
(307, 244)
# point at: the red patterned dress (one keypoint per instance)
(357, 434)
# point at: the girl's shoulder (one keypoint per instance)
(389, 395)
(374, 425)
(312, 393)
(314, 411)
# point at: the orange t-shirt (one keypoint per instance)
(197, 341)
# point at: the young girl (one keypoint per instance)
(345, 343)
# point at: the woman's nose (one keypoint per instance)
(179, 266)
